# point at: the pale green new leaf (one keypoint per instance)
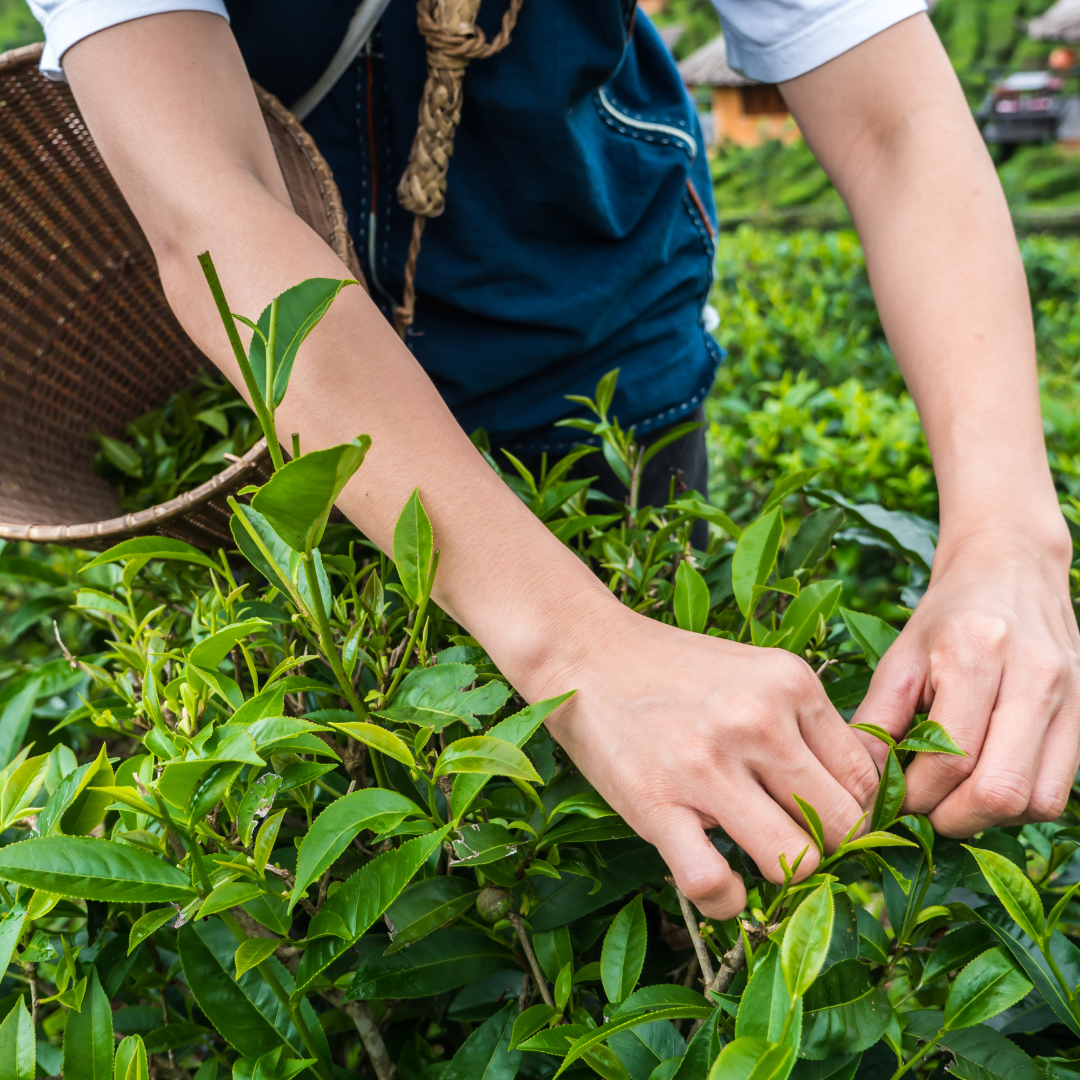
(806, 941)
(253, 952)
(378, 738)
(1012, 887)
(755, 555)
(753, 1059)
(413, 547)
(88, 1035)
(990, 984)
(486, 754)
(17, 1045)
(131, 1063)
(691, 599)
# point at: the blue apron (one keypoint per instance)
(579, 230)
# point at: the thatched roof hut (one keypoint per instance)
(708, 66)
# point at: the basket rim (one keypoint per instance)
(223, 483)
(233, 477)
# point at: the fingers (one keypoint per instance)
(895, 693)
(840, 756)
(966, 680)
(698, 868)
(1057, 770)
(1000, 785)
(763, 829)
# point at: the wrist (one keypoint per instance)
(1039, 533)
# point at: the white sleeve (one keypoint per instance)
(66, 22)
(774, 40)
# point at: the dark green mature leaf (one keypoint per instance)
(91, 869)
(810, 543)
(955, 949)
(890, 796)
(17, 1045)
(152, 547)
(753, 1059)
(843, 1012)
(815, 602)
(844, 944)
(413, 547)
(755, 555)
(88, 1036)
(629, 864)
(358, 902)
(592, 1039)
(15, 717)
(806, 941)
(691, 599)
(245, 1010)
(334, 829)
(623, 954)
(988, 985)
(300, 309)
(531, 1021)
(766, 1004)
(913, 536)
(834, 1067)
(1034, 964)
(981, 1052)
(486, 1053)
(871, 634)
(873, 941)
(298, 498)
(19, 566)
(424, 907)
(481, 843)
(442, 961)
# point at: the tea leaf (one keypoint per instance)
(623, 954)
(297, 500)
(813, 821)
(955, 949)
(413, 547)
(755, 555)
(213, 649)
(987, 986)
(92, 869)
(811, 541)
(1011, 886)
(871, 634)
(929, 736)
(803, 615)
(843, 1012)
(232, 894)
(806, 941)
(691, 599)
(152, 547)
(532, 1020)
(788, 485)
(253, 952)
(335, 827)
(147, 925)
(892, 788)
(486, 1053)
(486, 754)
(131, 1063)
(18, 1060)
(88, 1035)
(766, 1003)
(753, 1059)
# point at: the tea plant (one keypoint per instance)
(298, 825)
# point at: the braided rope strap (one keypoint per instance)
(453, 40)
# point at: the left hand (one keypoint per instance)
(993, 653)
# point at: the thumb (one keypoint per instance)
(893, 697)
(700, 871)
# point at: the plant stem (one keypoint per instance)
(326, 638)
(538, 975)
(271, 979)
(266, 421)
(1070, 992)
(692, 929)
(257, 540)
(916, 1058)
(271, 346)
(420, 612)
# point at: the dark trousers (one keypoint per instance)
(685, 461)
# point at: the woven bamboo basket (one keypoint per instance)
(87, 339)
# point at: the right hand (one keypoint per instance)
(681, 732)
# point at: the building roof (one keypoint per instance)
(670, 34)
(708, 66)
(1030, 80)
(1059, 23)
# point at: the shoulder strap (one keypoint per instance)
(360, 29)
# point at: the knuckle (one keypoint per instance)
(1048, 804)
(1002, 796)
(975, 641)
(706, 883)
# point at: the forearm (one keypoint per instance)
(194, 162)
(945, 270)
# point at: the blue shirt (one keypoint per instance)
(579, 230)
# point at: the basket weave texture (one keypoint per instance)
(87, 339)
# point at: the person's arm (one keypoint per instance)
(678, 731)
(992, 649)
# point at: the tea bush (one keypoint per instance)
(277, 816)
